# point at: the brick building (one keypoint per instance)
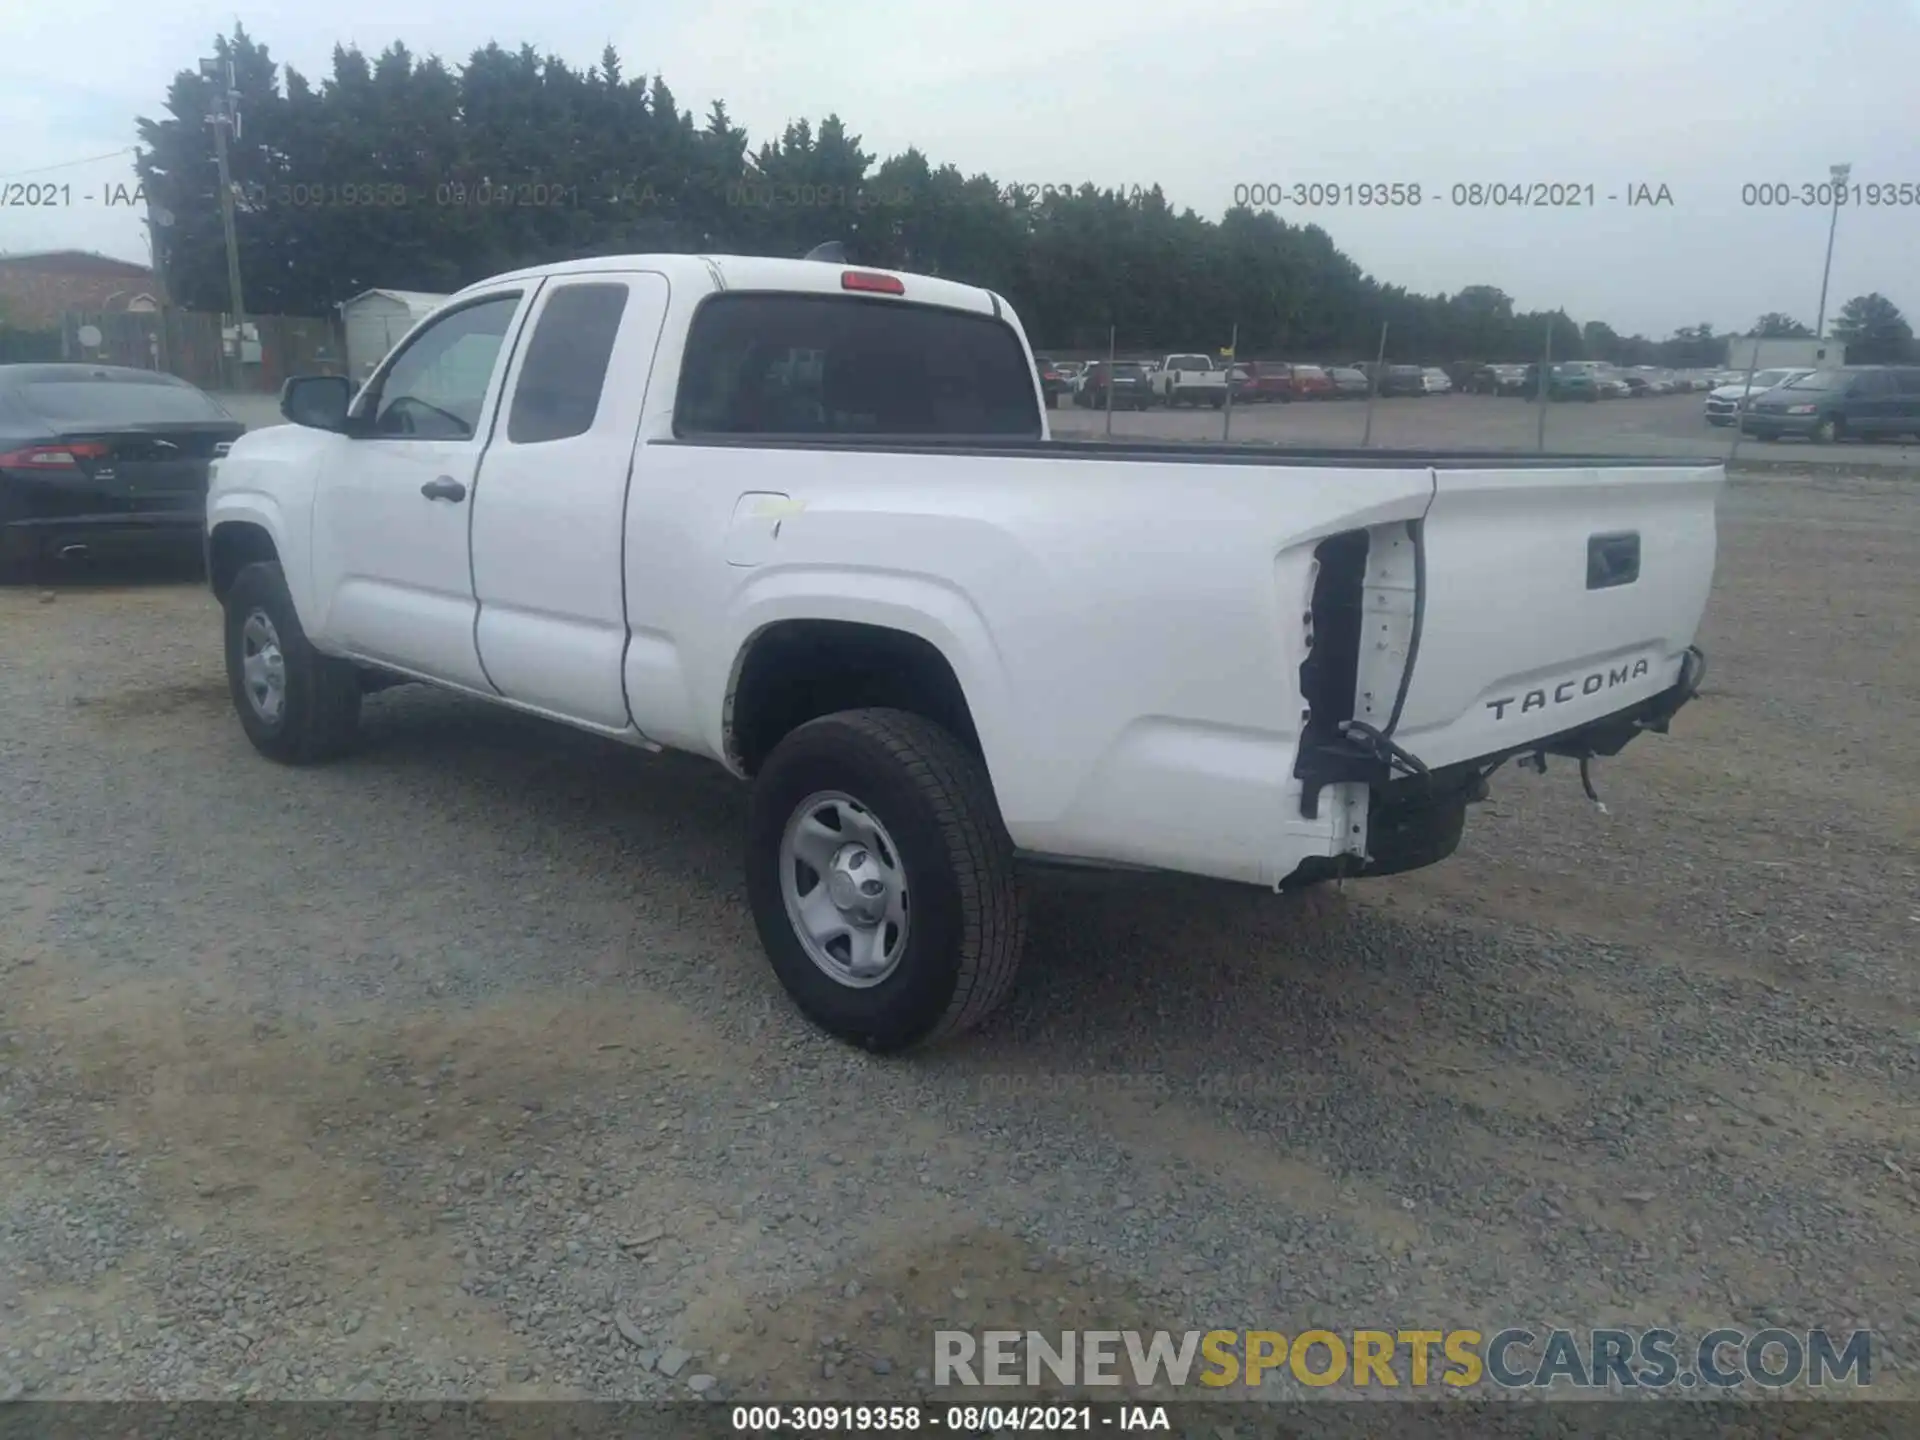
(36, 286)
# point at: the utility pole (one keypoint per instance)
(157, 217)
(1233, 358)
(1544, 391)
(1840, 174)
(1373, 386)
(225, 116)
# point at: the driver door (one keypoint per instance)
(390, 535)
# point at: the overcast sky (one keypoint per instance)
(1701, 96)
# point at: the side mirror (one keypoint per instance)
(317, 401)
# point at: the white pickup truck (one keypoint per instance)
(807, 520)
(1189, 380)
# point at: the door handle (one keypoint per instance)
(444, 487)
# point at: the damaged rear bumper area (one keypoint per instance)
(1416, 815)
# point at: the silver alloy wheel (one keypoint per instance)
(263, 668)
(845, 889)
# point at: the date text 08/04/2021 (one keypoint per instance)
(613, 191)
(1567, 194)
(948, 1419)
(1463, 194)
(470, 194)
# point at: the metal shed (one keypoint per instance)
(377, 320)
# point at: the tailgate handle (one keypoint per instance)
(1613, 560)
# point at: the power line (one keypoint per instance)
(69, 164)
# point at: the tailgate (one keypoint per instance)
(1552, 597)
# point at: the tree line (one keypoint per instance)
(404, 173)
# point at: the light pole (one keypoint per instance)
(1840, 174)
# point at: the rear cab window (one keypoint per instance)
(830, 365)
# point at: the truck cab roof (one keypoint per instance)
(760, 272)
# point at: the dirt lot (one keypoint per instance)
(454, 1069)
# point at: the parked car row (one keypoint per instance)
(1198, 379)
(1582, 380)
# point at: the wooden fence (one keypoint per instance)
(188, 343)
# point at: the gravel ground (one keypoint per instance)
(455, 1070)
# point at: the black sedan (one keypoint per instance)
(1498, 380)
(1131, 388)
(100, 461)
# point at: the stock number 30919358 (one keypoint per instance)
(1328, 192)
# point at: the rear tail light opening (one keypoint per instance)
(53, 457)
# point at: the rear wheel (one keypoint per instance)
(882, 879)
(296, 705)
(1830, 429)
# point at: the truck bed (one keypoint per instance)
(1252, 452)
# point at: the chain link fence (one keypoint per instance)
(203, 348)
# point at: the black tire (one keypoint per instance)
(320, 714)
(967, 918)
(1831, 430)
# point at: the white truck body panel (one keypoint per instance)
(1128, 627)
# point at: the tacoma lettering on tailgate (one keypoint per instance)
(1568, 690)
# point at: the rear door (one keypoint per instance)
(1873, 403)
(1552, 597)
(1907, 384)
(550, 503)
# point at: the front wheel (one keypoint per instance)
(1829, 430)
(882, 879)
(296, 705)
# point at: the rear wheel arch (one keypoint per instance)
(792, 671)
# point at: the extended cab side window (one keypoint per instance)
(435, 387)
(768, 364)
(558, 390)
